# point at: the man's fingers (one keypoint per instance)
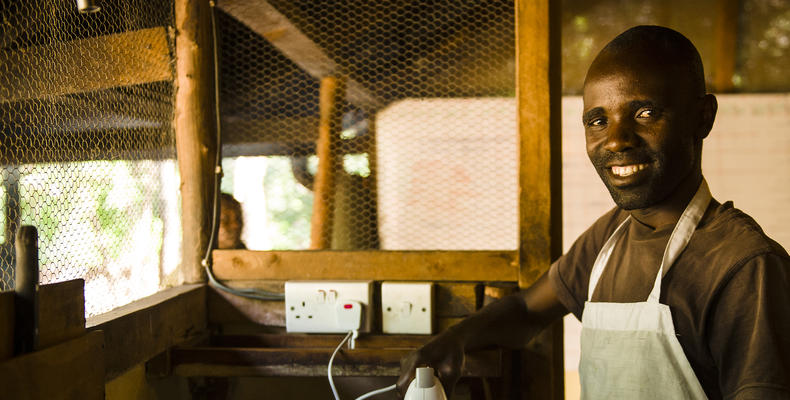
(449, 380)
(403, 382)
(407, 372)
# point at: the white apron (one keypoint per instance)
(629, 350)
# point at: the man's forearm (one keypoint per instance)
(506, 322)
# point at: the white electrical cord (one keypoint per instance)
(329, 369)
(257, 294)
(350, 334)
(377, 391)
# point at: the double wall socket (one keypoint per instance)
(407, 307)
(328, 306)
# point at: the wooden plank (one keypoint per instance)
(6, 324)
(122, 59)
(196, 131)
(61, 312)
(138, 331)
(456, 299)
(538, 97)
(538, 94)
(214, 361)
(329, 162)
(725, 44)
(462, 266)
(61, 315)
(70, 370)
(267, 21)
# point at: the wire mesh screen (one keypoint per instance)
(423, 148)
(87, 156)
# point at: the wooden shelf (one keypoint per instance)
(308, 355)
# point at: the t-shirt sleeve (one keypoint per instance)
(570, 274)
(748, 330)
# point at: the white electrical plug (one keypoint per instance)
(319, 306)
(348, 315)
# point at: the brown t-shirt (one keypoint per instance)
(728, 292)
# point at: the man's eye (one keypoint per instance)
(648, 113)
(597, 122)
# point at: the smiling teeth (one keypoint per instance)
(627, 170)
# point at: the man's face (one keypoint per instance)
(230, 226)
(640, 133)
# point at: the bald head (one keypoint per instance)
(645, 116)
(655, 49)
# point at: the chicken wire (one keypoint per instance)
(87, 153)
(427, 146)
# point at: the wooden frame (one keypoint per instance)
(137, 332)
(540, 241)
(70, 370)
(725, 44)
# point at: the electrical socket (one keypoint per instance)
(328, 306)
(407, 307)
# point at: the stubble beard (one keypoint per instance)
(642, 195)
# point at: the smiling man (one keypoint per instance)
(680, 296)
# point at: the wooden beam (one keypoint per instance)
(373, 265)
(61, 315)
(267, 21)
(83, 65)
(195, 126)
(61, 312)
(70, 370)
(217, 361)
(329, 162)
(138, 331)
(725, 44)
(538, 97)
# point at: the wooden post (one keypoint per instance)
(329, 161)
(26, 291)
(538, 96)
(195, 126)
(725, 44)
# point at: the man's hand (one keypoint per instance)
(445, 354)
(509, 322)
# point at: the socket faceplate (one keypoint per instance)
(407, 307)
(324, 306)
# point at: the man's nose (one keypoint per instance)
(621, 136)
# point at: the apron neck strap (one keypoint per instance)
(680, 237)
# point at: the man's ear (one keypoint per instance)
(709, 107)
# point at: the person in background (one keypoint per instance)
(680, 296)
(231, 223)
